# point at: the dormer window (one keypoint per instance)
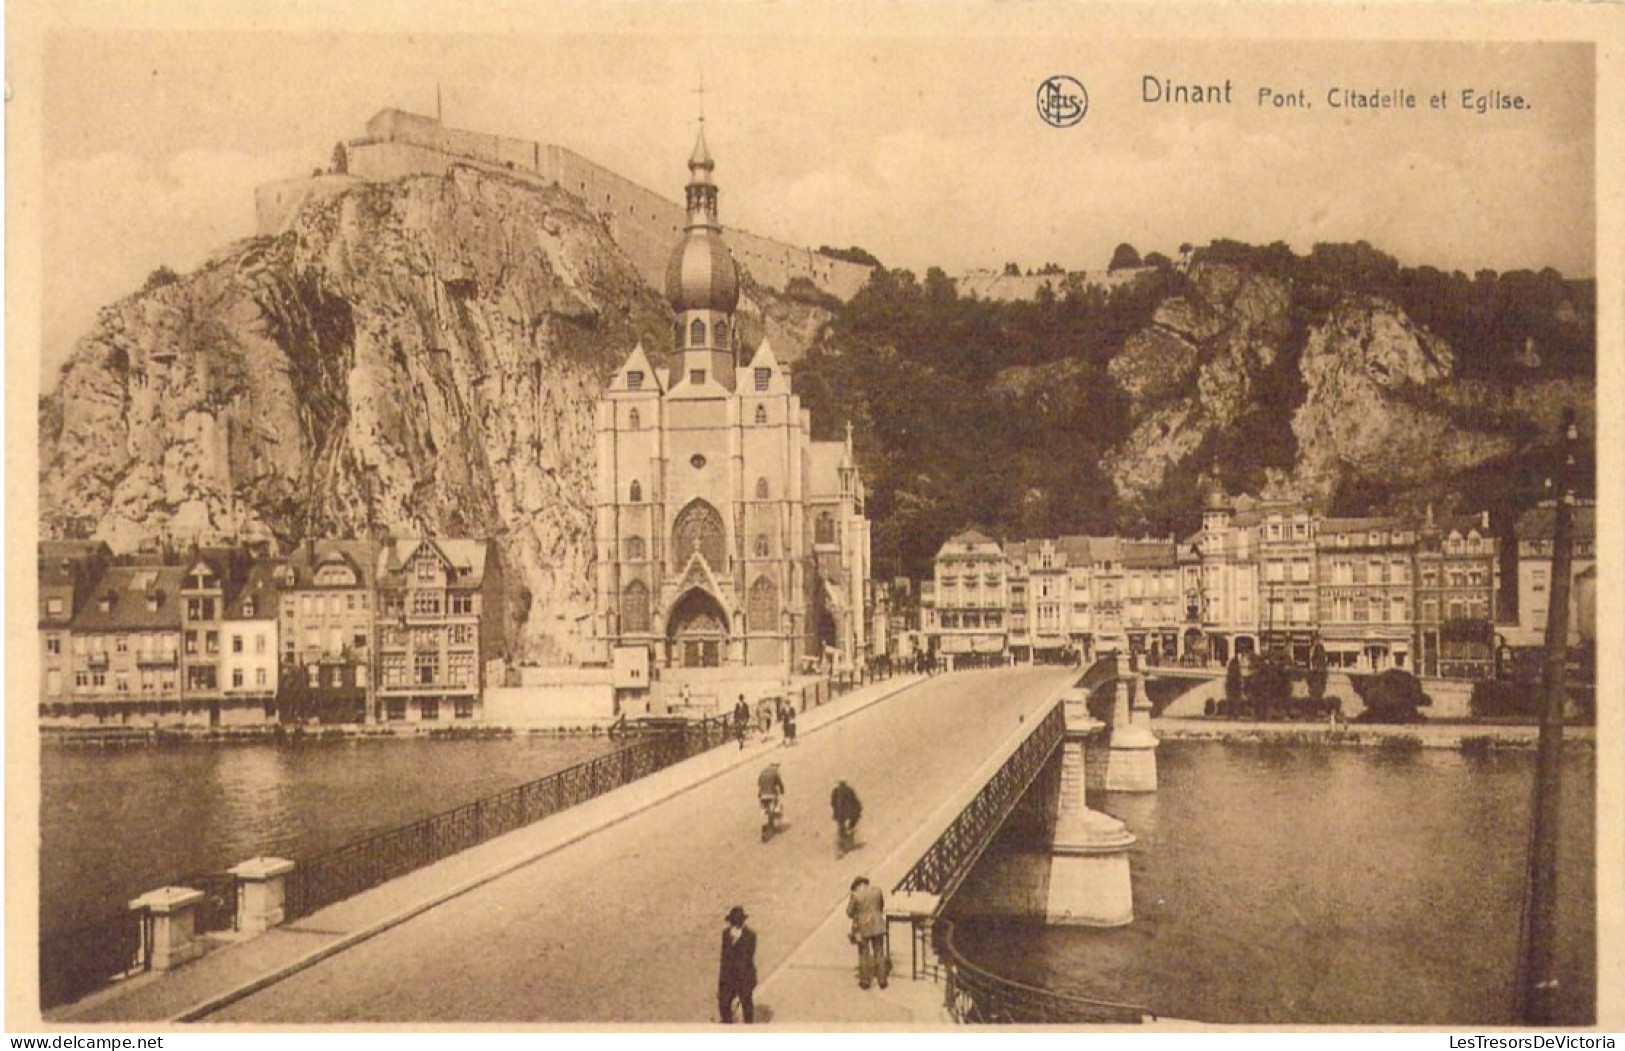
(763, 377)
(105, 603)
(152, 603)
(248, 607)
(634, 380)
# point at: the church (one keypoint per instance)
(725, 536)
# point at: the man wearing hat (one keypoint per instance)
(737, 980)
(867, 907)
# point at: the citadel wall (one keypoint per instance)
(399, 144)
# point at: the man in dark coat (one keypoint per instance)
(843, 801)
(737, 980)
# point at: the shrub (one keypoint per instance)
(1496, 699)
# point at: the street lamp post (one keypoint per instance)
(1537, 972)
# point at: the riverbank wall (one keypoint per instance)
(1465, 737)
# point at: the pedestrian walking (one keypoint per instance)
(741, 720)
(736, 979)
(845, 805)
(867, 907)
(789, 725)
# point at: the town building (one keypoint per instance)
(126, 643)
(439, 622)
(725, 536)
(325, 595)
(1534, 537)
(1457, 580)
(68, 571)
(249, 663)
(1367, 597)
(966, 605)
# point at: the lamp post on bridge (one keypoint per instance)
(1537, 964)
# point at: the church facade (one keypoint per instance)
(725, 536)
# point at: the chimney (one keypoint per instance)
(1484, 519)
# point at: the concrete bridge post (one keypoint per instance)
(173, 929)
(261, 893)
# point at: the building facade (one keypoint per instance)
(724, 534)
(439, 620)
(1534, 536)
(1259, 577)
(325, 596)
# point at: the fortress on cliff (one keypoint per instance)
(398, 144)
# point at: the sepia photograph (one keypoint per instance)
(861, 518)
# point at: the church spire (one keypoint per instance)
(702, 192)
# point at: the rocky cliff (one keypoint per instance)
(420, 356)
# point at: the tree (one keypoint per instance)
(1012, 270)
(1317, 676)
(1157, 259)
(1232, 685)
(1125, 258)
(341, 159)
(1269, 688)
(159, 278)
(1392, 696)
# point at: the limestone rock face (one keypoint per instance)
(1193, 370)
(421, 356)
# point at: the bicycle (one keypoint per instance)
(772, 810)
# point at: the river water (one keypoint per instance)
(1304, 885)
(117, 823)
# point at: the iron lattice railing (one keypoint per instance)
(366, 863)
(974, 996)
(942, 867)
(218, 909)
(79, 960)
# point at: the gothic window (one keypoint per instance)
(633, 420)
(719, 332)
(636, 496)
(763, 546)
(696, 333)
(634, 549)
(677, 333)
(761, 488)
(762, 609)
(699, 528)
(761, 414)
(635, 608)
(824, 529)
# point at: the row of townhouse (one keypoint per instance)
(397, 629)
(1259, 576)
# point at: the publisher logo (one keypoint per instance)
(1062, 101)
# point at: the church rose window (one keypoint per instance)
(635, 608)
(762, 608)
(699, 528)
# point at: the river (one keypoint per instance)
(117, 823)
(1296, 885)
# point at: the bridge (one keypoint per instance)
(611, 911)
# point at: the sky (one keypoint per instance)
(916, 138)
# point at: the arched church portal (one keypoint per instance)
(696, 630)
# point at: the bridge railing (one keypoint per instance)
(327, 878)
(941, 868)
(974, 996)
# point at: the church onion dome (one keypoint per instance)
(702, 274)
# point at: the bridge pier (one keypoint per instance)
(1127, 760)
(1089, 878)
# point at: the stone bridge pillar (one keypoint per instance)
(1126, 760)
(1089, 880)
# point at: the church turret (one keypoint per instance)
(702, 283)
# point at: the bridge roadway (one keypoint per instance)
(622, 925)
